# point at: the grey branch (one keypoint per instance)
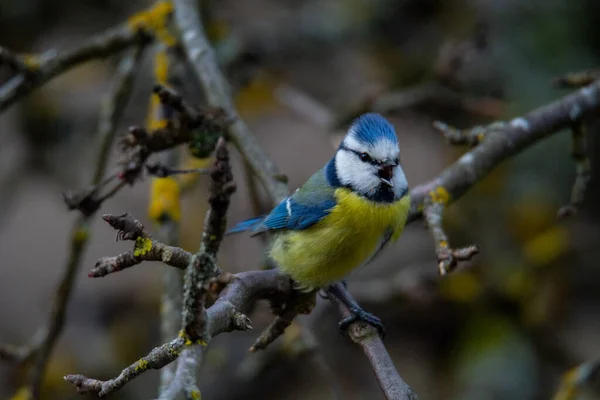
(53, 63)
(156, 359)
(227, 314)
(218, 93)
(367, 337)
(501, 141)
(113, 108)
(582, 169)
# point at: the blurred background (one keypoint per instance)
(505, 326)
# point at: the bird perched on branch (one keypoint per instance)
(343, 216)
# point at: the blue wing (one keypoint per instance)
(307, 206)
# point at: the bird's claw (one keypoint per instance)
(358, 314)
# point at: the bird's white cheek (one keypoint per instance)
(360, 176)
(399, 180)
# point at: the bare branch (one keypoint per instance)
(447, 258)
(156, 359)
(367, 337)
(578, 79)
(298, 303)
(12, 353)
(113, 108)
(163, 171)
(502, 141)
(582, 170)
(227, 314)
(218, 94)
(52, 63)
(471, 137)
(414, 96)
(575, 380)
(145, 249)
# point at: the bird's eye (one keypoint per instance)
(364, 157)
(397, 160)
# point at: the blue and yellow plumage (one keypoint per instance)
(345, 213)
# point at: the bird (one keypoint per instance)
(343, 216)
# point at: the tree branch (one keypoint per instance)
(145, 249)
(36, 71)
(113, 107)
(500, 141)
(218, 94)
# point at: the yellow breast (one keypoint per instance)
(342, 241)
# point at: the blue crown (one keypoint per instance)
(371, 127)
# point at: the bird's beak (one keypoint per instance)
(386, 172)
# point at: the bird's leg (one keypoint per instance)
(338, 290)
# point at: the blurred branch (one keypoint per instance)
(111, 112)
(578, 79)
(34, 71)
(574, 380)
(218, 94)
(187, 125)
(164, 171)
(582, 169)
(303, 104)
(430, 92)
(227, 314)
(164, 208)
(500, 141)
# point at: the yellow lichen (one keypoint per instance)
(196, 395)
(155, 20)
(440, 195)
(31, 61)
(142, 246)
(444, 243)
(23, 393)
(568, 388)
(156, 119)
(546, 246)
(462, 288)
(141, 365)
(161, 67)
(164, 200)
(80, 236)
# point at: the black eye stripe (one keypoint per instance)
(359, 154)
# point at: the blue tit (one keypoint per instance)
(345, 214)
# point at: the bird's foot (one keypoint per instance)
(323, 293)
(358, 314)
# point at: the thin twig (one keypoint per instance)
(582, 170)
(575, 380)
(156, 359)
(227, 314)
(502, 141)
(430, 92)
(145, 249)
(578, 79)
(53, 63)
(111, 112)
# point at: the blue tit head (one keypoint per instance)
(368, 160)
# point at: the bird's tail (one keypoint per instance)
(246, 225)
